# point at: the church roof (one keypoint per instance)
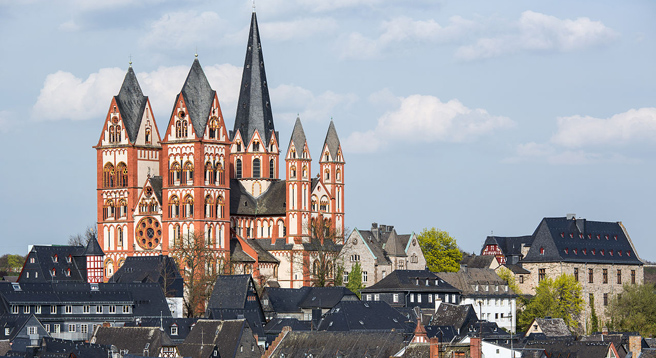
(298, 137)
(270, 203)
(332, 141)
(254, 106)
(131, 103)
(198, 96)
(156, 183)
(93, 248)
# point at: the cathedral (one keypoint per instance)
(195, 178)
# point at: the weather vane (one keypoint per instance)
(253, 5)
(130, 60)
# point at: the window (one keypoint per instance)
(53, 309)
(112, 309)
(376, 297)
(71, 327)
(430, 298)
(188, 173)
(605, 276)
(541, 274)
(99, 309)
(31, 330)
(238, 168)
(590, 275)
(174, 173)
(256, 167)
(32, 260)
(57, 328)
(419, 298)
(576, 274)
(26, 309)
(412, 297)
(619, 277)
(521, 278)
(542, 251)
(256, 146)
(174, 330)
(126, 309)
(384, 273)
(395, 298)
(86, 309)
(272, 169)
(68, 309)
(47, 327)
(239, 146)
(605, 299)
(84, 328)
(345, 277)
(37, 310)
(364, 276)
(7, 331)
(15, 309)
(633, 277)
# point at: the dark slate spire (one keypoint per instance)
(93, 248)
(254, 107)
(198, 96)
(298, 137)
(131, 103)
(332, 141)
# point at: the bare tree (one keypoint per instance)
(322, 252)
(82, 239)
(199, 266)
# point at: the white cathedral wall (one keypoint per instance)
(145, 167)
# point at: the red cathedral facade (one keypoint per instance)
(196, 178)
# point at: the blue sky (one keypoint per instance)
(471, 116)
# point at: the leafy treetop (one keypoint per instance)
(440, 250)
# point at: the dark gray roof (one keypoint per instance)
(276, 325)
(412, 280)
(443, 333)
(285, 300)
(458, 316)
(53, 347)
(270, 203)
(131, 104)
(227, 335)
(93, 248)
(159, 269)
(156, 184)
(516, 269)
(262, 254)
(183, 325)
(254, 106)
(509, 245)
(375, 246)
(145, 341)
(581, 240)
(365, 316)
(332, 141)
(336, 344)
(394, 245)
(198, 96)
(474, 261)
(578, 349)
(325, 297)
(298, 137)
(553, 327)
(235, 296)
(467, 280)
(278, 245)
(61, 259)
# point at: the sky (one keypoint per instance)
(475, 117)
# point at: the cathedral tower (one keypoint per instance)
(299, 186)
(331, 172)
(127, 155)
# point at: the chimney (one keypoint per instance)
(475, 347)
(434, 348)
(571, 216)
(635, 345)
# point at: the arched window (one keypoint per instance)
(184, 128)
(119, 232)
(238, 146)
(256, 168)
(219, 207)
(122, 208)
(109, 268)
(219, 179)
(315, 267)
(111, 134)
(178, 129)
(118, 133)
(108, 210)
(143, 206)
(238, 169)
(327, 175)
(188, 173)
(256, 146)
(323, 206)
(214, 128)
(305, 154)
(149, 135)
(176, 234)
(305, 172)
(272, 169)
(209, 237)
(338, 175)
(293, 153)
(189, 206)
(209, 171)
(209, 204)
(314, 203)
(122, 175)
(292, 172)
(329, 269)
(174, 207)
(174, 173)
(108, 175)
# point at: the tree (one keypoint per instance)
(559, 298)
(339, 274)
(321, 254)
(440, 250)
(11, 264)
(594, 320)
(634, 310)
(199, 267)
(355, 279)
(83, 239)
(508, 276)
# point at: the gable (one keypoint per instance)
(147, 133)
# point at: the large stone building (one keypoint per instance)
(600, 255)
(193, 177)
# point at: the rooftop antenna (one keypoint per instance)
(253, 5)
(196, 53)
(130, 60)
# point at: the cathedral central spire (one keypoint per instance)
(254, 106)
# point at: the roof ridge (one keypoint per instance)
(198, 96)
(131, 103)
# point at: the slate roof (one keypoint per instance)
(262, 254)
(298, 137)
(458, 316)
(198, 96)
(285, 300)
(477, 261)
(577, 349)
(254, 106)
(581, 241)
(234, 296)
(207, 334)
(53, 347)
(270, 203)
(326, 297)
(135, 340)
(336, 344)
(553, 327)
(184, 325)
(93, 248)
(147, 299)
(156, 184)
(466, 280)
(411, 280)
(276, 325)
(131, 104)
(516, 269)
(237, 253)
(151, 269)
(332, 141)
(375, 246)
(279, 244)
(365, 316)
(45, 262)
(443, 333)
(509, 246)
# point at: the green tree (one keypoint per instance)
(339, 274)
(559, 298)
(594, 320)
(355, 279)
(11, 264)
(508, 276)
(634, 310)
(440, 250)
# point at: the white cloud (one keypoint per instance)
(69, 26)
(426, 119)
(5, 124)
(403, 31)
(634, 125)
(303, 28)
(184, 28)
(539, 32)
(313, 6)
(65, 96)
(290, 101)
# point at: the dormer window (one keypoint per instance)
(566, 250)
(542, 251)
(55, 258)
(239, 146)
(174, 330)
(562, 234)
(571, 236)
(256, 146)
(69, 259)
